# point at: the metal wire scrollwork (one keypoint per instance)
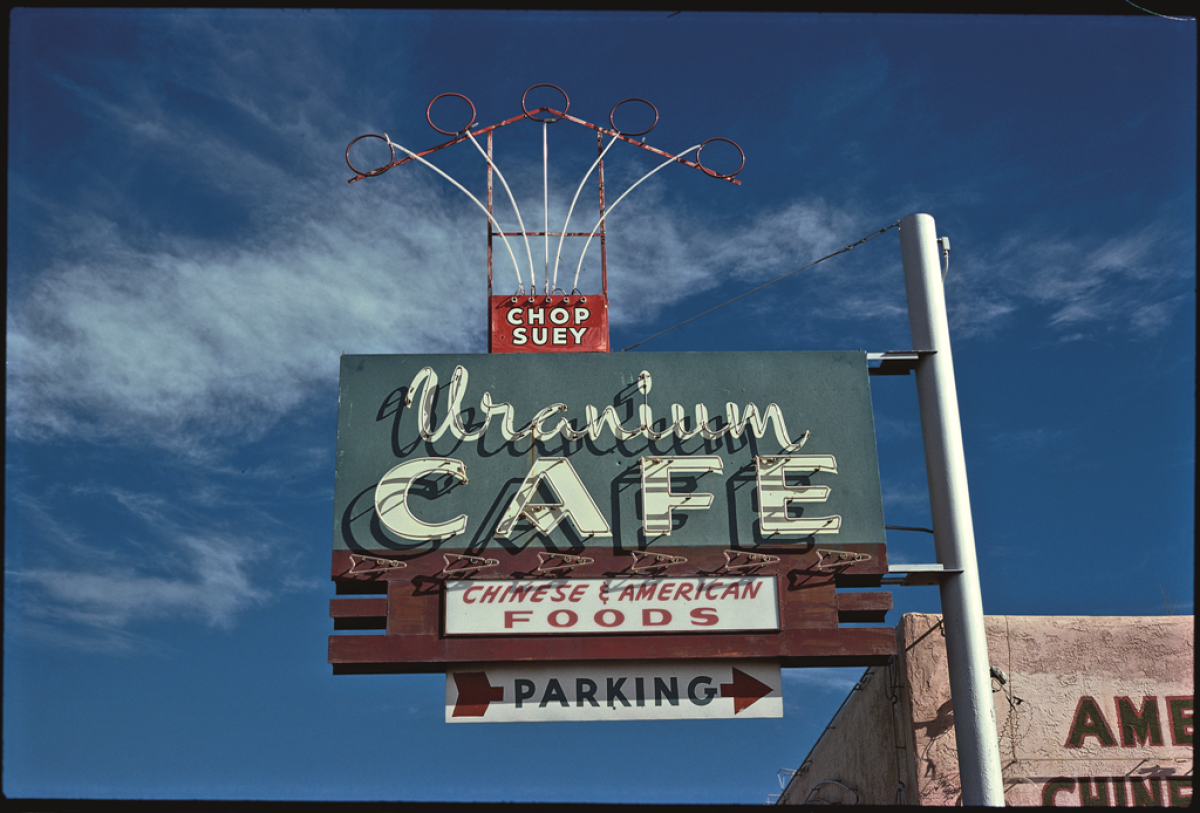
(429, 117)
(545, 116)
(371, 173)
(528, 115)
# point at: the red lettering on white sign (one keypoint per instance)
(612, 606)
(644, 690)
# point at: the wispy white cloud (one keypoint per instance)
(1076, 284)
(124, 558)
(51, 631)
(173, 337)
(126, 328)
(905, 495)
(225, 340)
(661, 257)
(214, 588)
(219, 336)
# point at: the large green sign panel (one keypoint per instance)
(623, 452)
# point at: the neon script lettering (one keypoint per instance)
(737, 421)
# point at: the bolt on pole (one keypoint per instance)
(954, 534)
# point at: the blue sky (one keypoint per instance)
(186, 264)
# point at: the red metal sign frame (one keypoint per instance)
(398, 613)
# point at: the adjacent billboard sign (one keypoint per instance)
(527, 693)
(606, 471)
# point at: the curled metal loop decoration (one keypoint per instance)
(713, 172)
(528, 115)
(373, 172)
(639, 132)
(449, 132)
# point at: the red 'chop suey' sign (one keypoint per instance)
(549, 324)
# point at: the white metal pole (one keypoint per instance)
(546, 203)
(954, 535)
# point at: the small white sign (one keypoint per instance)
(576, 606)
(614, 690)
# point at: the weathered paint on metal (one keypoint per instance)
(824, 394)
(359, 175)
(603, 219)
(404, 654)
(490, 230)
(555, 115)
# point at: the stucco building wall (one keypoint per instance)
(867, 772)
(1093, 710)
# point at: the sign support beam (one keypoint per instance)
(954, 534)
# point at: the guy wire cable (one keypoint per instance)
(842, 250)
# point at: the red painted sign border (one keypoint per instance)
(813, 606)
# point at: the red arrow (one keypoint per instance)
(475, 693)
(744, 690)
